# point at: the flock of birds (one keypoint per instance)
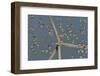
(67, 33)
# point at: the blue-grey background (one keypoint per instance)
(42, 39)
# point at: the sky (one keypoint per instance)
(42, 38)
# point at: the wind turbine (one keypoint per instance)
(59, 43)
